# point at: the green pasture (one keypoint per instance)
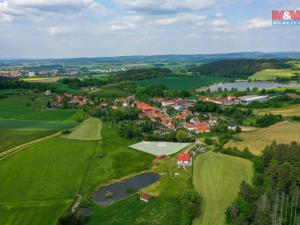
(272, 74)
(111, 92)
(184, 83)
(217, 177)
(10, 138)
(31, 107)
(90, 129)
(48, 175)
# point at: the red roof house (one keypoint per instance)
(145, 197)
(184, 159)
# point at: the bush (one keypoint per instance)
(208, 141)
(109, 194)
(66, 132)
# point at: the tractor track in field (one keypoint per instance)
(13, 150)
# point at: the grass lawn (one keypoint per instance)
(90, 129)
(256, 141)
(184, 83)
(272, 74)
(10, 138)
(288, 111)
(217, 177)
(111, 92)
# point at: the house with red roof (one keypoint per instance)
(184, 159)
(145, 197)
(144, 107)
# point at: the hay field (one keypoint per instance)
(256, 141)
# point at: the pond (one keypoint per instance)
(120, 190)
(243, 85)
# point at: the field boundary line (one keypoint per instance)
(27, 144)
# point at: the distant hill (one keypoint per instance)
(153, 58)
(238, 68)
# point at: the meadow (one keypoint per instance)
(48, 175)
(165, 208)
(184, 83)
(111, 91)
(89, 129)
(288, 111)
(217, 178)
(273, 74)
(257, 140)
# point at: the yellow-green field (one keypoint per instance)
(272, 74)
(289, 111)
(217, 178)
(41, 79)
(88, 130)
(256, 141)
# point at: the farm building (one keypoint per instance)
(246, 100)
(184, 159)
(145, 197)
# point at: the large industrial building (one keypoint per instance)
(246, 100)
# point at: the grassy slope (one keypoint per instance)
(289, 111)
(217, 178)
(256, 141)
(184, 83)
(90, 129)
(47, 176)
(49, 171)
(272, 74)
(11, 138)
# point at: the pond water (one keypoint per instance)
(124, 188)
(243, 85)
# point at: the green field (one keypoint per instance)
(90, 129)
(48, 175)
(272, 74)
(31, 106)
(164, 209)
(11, 138)
(217, 177)
(257, 140)
(111, 92)
(184, 83)
(288, 111)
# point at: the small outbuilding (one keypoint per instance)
(145, 197)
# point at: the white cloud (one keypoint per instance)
(257, 23)
(6, 18)
(180, 18)
(167, 6)
(219, 14)
(125, 23)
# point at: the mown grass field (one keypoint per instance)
(90, 129)
(257, 140)
(45, 178)
(184, 83)
(272, 74)
(217, 178)
(288, 111)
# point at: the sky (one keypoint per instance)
(96, 28)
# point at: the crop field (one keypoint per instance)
(41, 79)
(289, 111)
(256, 141)
(184, 83)
(217, 178)
(272, 74)
(90, 129)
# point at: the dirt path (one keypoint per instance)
(27, 144)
